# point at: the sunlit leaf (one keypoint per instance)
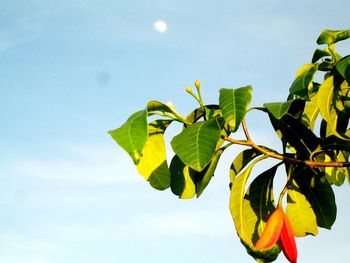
(303, 80)
(300, 213)
(310, 113)
(245, 219)
(234, 104)
(325, 105)
(241, 160)
(336, 175)
(332, 36)
(196, 144)
(132, 135)
(153, 164)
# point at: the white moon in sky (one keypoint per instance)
(160, 26)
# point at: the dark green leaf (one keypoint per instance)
(279, 109)
(234, 104)
(182, 182)
(332, 36)
(343, 67)
(204, 177)
(319, 54)
(319, 193)
(293, 132)
(196, 144)
(132, 135)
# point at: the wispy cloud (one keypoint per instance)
(81, 164)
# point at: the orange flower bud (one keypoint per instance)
(272, 230)
(287, 241)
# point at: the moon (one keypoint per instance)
(160, 26)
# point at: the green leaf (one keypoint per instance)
(332, 36)
(241, 160)
(153, 165)
(319, 193)
(186, 182)
(155, 106)
(259, 196)
(234, 104)
(205, 176)
(300, 213)
(182, 183)
(293, 132)
(325, 104)
(196, 144)
(245, 219)
(303, 81)
(343, 67)
(310, 113)
(279, 109)
(336, 175)
(132, 135)
(320, 54)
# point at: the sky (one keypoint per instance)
(72, 70)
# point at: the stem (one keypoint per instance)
(278, 156)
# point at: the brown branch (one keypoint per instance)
(282, 157)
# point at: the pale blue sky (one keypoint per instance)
(72, 70)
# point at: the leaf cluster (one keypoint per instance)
(312, 125)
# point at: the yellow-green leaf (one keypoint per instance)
(132, 135)
(300, 213)
(153, 164)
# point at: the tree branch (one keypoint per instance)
(278, 156)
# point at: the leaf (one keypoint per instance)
(293, 132)
(132, 135)
(245, 219)
(332, 36)
(260, 198)
(343, 67)
(319, 193)
(303, 80)
(336, 175)
(155, 106)
(153, 165)
(310, 113)
(325, 104)
(241, 160)
(182, 184)
(208, 173)
(320, 54)
(212, 111)
(279, 109)
(300, 213)
(234, 104)
(196, 144)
